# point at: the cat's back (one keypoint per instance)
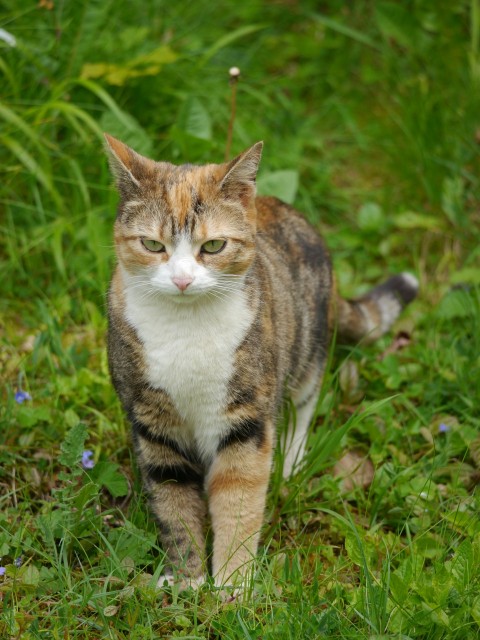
(294, 269)
(293, 252)
(291, 239)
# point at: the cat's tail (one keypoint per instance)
(370, 316)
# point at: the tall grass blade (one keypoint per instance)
(32, 167)
(339, 27)
(227, 39)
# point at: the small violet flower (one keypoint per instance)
(18, 561)
(443, 428)
(3, 570)
(87, 460)
(21, 396)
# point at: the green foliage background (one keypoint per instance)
(370, 115)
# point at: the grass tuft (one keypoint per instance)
(369, 112)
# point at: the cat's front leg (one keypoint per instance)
(175, 486)
(180, 513)
(237, 486)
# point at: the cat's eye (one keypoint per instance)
(213, 246)
(153, 245)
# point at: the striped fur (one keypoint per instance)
(202, 346)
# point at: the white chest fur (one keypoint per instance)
(189, 351)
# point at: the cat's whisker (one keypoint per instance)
(231, 275)
(218, 294)
(225, 289)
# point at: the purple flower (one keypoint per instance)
(443, 428)
(3, 571)
(18, 561)
(87, 460)
(21, 396)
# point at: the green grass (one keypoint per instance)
(369, 113)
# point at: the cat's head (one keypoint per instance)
(185, 231)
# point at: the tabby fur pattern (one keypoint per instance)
(203, 345)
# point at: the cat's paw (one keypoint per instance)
(165, 580)
(182, 582)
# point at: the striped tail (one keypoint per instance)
(372, 315)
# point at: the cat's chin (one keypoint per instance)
(186, 298)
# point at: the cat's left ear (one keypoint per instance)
(128, 167)
(241, 172)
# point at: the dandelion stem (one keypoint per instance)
(234, 73)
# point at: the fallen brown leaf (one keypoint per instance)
(355, 470)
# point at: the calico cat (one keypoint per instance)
(220, 302)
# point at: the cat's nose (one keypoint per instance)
(183, 282)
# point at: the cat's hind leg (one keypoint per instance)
(305, 399)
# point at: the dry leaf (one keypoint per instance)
(348, 379)
(355, 469)
(400, 341)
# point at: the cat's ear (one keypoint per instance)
(129, 168)
(240, 174)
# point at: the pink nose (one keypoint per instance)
(182, 283)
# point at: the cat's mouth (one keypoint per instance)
(187, 295)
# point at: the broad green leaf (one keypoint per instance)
(128, 130)
(370, 217)
(29, 416)
(182, 621)
(85, 495)
(440, 617)
(159, 56)
(456, 304)
(195, 120)
(106, 474)
(465, 523)
(95, 70)
(283, 184)
(398, 588)
(148, 64)
(29, 575)
(476, 610)
(353, 549)
(462, 564)
(413, 220)
(469, 275)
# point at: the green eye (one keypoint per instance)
(153, 245)
(213, 246)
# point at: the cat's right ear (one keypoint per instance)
(128, 167)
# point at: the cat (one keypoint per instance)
(221, 302)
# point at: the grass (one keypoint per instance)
(369, 112)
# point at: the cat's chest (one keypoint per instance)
(189, 352)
